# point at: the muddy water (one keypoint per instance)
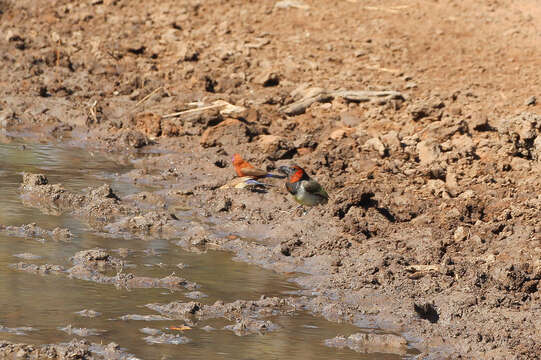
(45, 304)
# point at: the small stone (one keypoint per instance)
(460, 234)
(304, 150)
(531, 101)
(341, 133)
(268, 78)
(376, 144)
(188, 52)
(391, 140)
(429, 152)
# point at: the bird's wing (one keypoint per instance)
(314, 187)
(253, 172)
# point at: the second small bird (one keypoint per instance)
(244, 168)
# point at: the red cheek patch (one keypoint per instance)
(297, 176)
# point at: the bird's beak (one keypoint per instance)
(285, 170)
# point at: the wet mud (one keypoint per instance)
(422, 124)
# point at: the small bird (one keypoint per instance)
(244, 168)
(306, 191)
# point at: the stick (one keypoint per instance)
(147, 97)
(214, 106)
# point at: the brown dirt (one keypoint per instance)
(433, 225)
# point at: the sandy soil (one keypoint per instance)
(432, 230)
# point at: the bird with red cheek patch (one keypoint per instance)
(244, 168)
(305, 190)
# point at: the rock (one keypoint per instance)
(531, 101)
(464, 145)
(230, 110)
(521, 132)
(479, 122)
(276, 147)
(350, 119)
(460, 234)
(391, 141)
(228, 132)
(430, 108)
(341, 133)
(376, 144)
(267, 78)
(304, 150)
(188, 52)
(436, 187)
(429, 151)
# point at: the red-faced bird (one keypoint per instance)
(305, 190)
(244, 168)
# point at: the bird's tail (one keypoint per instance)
(255, 182)
(275, 176)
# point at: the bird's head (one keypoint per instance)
(237, 159)
(294, 173)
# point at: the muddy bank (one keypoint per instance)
(76, 349)
(433, 227)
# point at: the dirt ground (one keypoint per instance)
(432, 230)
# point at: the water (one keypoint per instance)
(47, 303)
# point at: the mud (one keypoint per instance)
(432, 230)
(370, 343)
(91, 265)
(34, 231)
(76, 349)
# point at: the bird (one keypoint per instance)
(244, 168)
(305, 191)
